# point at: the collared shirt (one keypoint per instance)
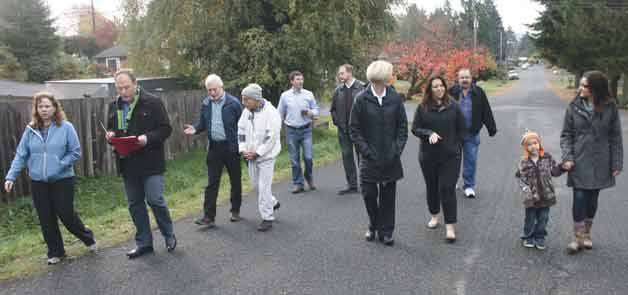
(218, 127)
(466, 105)
(380, 99)
(349, 85)
(124, 115)
(292, 103)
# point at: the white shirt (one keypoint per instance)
(379, 98)
(349, 85)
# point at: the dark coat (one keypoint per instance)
(593, 141)
(481, 113)
(380, 134)
(149, 117)
(339, 112)
(448, 122)
(535, 181)
(231, 112)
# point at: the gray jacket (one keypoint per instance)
(593, 141)
(340, 108)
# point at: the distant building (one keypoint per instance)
(113, 58)
(105, 87)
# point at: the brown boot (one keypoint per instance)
(587, 242)
(578, 243)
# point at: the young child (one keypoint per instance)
(537, 189)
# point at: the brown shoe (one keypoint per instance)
(587, 243)
(235, 217)
(578, 243)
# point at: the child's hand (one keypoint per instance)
(568, 165)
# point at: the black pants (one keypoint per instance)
(348, 162)
(379, 199)
(440, 182)
(218, 157)
(56, 199)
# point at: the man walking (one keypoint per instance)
(477, 113)
(138, 113)
(259, 129)
(220, 113)
(297, 108)
(341, 104)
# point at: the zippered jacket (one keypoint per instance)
(48, 160)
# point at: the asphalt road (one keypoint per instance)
(317, 246)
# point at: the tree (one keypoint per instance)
(255, 41)
(412, 24)
(581, 37)
(10, 68)
(30, 36)
(81, 45)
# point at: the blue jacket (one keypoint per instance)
(231, 111)
(50, 160)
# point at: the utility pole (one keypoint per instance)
(475, 25)
(501, 45)
(93, 19)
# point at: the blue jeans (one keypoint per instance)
(147, 189)
(300, 139)
(536, 223)
(470, 148)
(584, 204)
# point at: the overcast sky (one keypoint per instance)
(515, 13)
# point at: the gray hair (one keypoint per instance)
(464, 70)
(379, 71)
(213, 79)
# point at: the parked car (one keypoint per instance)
(513, 75)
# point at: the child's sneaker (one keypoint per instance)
(528, 243)
(540, 244)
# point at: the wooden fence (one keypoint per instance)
(86, 114)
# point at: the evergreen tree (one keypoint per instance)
(30, 37)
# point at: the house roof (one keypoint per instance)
(115, 51)
(22, 89)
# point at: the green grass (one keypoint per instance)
(493, 86)
(101, 203)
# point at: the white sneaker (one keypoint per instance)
(54, 260)
(93, 247)
(469, 193)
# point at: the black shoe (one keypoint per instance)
(388, 240)
(277, 206)
(348, 191)
(369, 236)
(171, 244)
(205, 221)
(235, 217)
(265, 225)
(298, 190)
(137, 252)
(311, 185)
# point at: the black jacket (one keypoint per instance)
(448, 123)
(149, 117)
(339, 112)
(380, 134)
(231, 112)
(481, 113)
(593, 141)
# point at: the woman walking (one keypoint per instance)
(439, 123)
(49, 148)
(379, 129)
(592, 152)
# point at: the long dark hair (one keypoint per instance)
(598, 85)
(429, 101)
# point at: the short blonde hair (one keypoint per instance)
(379, 71)
(213, 79)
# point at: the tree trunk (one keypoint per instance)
(578, 75)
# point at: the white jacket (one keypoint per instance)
(260, 132)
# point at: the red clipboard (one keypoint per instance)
(125, 145)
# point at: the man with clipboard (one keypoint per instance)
(137, 127)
